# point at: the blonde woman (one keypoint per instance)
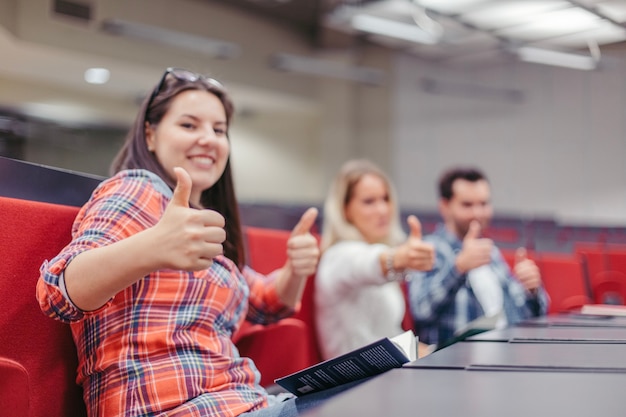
(364, 256)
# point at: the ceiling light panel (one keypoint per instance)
(594, 3)
(556, 58)
(393, 7)
(615, 10)
(563, 22)
(405, 31)
(512, 13)
(452, 6)
(606, 33)
(212, 47)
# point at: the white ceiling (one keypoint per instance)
(463, 32)
(466, 30)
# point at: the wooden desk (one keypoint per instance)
(449, 393)
(528, 356)
(554, 334)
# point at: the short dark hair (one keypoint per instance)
(134, 154)
(458, 173)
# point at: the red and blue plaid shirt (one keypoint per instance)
(162, 346)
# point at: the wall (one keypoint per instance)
(290, 133)
(559, 151)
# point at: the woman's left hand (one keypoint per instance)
(302, 248)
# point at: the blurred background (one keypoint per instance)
(533, 92)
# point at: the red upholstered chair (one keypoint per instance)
(407, 320)
(609, 287)
(594, 258)
(307, 315)
(15, 394)
(30, 233)
(509, 256)
(604, 263)
(562, 277)
(502, 234)
(563, 280)
(277, 349)
(617, 259)
(290, 344)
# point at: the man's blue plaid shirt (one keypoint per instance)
(443, 302)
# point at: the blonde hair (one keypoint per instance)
(336, 227)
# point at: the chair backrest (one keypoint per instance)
(599, 258)
(15, 393)
(31, 233)
(509, 256)
(267, 251)
(29, 181)
(609, 287)
(38, 205)
(563, 280)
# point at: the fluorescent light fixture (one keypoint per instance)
(97, 75)
(553, 24)
(470, 91)
(327, 68)
(212, 47)
(511, 13)
(557, 58)
(449, 6)
(393, 29)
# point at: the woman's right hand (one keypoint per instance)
(414, 253)
(187, 238)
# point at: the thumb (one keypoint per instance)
(306, 222)
(520, 255)
(182, 192)
(415, 227)
(473, 232)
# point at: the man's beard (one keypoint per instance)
(462, 228)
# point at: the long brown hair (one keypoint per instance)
(134, 154)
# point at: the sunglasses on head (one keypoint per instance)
(182, 75)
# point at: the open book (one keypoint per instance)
(474, 327)
(604, 309)
(361, 363)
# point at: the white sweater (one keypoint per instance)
(354, 303)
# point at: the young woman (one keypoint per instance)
(364, 254)
(151, 300)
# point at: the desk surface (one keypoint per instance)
(28, 181)
(447, 392)
(554, 334)
(575, 320)
(537, 356)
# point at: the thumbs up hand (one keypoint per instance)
(187, 238)
(526, 270)
(414, 253)
(302, 249)
(476, 251)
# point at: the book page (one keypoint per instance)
(480, 323)
(407, 343)
(604, 309)
(361, 363)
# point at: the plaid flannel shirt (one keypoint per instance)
(442, 301)
(162, 346)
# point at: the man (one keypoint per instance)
(470, 278)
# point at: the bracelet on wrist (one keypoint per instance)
(392, 273)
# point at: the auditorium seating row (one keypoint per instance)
(38, 366)
(34, 231)
(37, 355)
(540, 234)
